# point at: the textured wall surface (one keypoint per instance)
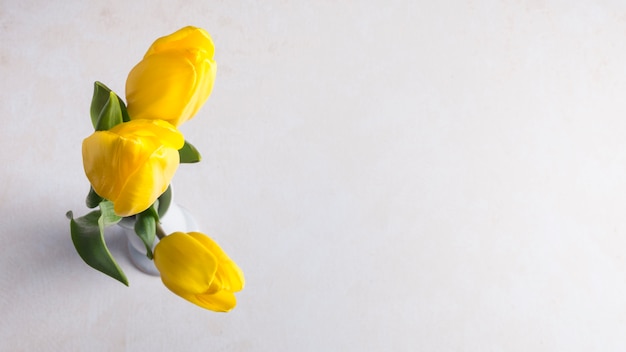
(390, 175)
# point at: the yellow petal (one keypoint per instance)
(159, 87)
(206, 70)
(185, 265)
(147, 183)
(160, 132)
(228, 276)
(222, 301)
(100, 163)
(187, 37)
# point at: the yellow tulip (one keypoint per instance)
(132, 163)
(174, 79)
(195, 268)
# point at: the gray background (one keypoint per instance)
(390, 175)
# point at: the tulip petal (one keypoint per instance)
(161, 132)
(222, 301)
(101, 163)
(184, 264)
(147, 183)
(147, 175)
(206, 70)
(228, 276)
(169, 86)
(187, 37)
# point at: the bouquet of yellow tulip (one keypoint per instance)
(131, 159)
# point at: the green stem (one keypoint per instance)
(159, 231)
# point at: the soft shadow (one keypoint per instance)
(46, 254)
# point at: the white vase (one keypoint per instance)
(176, 219)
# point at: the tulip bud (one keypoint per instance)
(174, 79)
(132, 163)
(195, 268)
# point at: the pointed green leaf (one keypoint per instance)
(125, 116)
(145, 228)
(165, 200)
(189, 154)
(99, 99)
(111, 114)
(93, 199)
(88, 237)
(101, 96)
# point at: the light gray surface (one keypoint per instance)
(390, 175)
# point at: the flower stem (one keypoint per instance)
(159, 231)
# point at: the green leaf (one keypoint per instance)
(165, 200)
(100, 97)
(154, 209)
(125, 116)
(103, 95)
(88, 237)
(145, 228)
(108, 216)
(93, 199)
(189, 154)
(111, 114)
